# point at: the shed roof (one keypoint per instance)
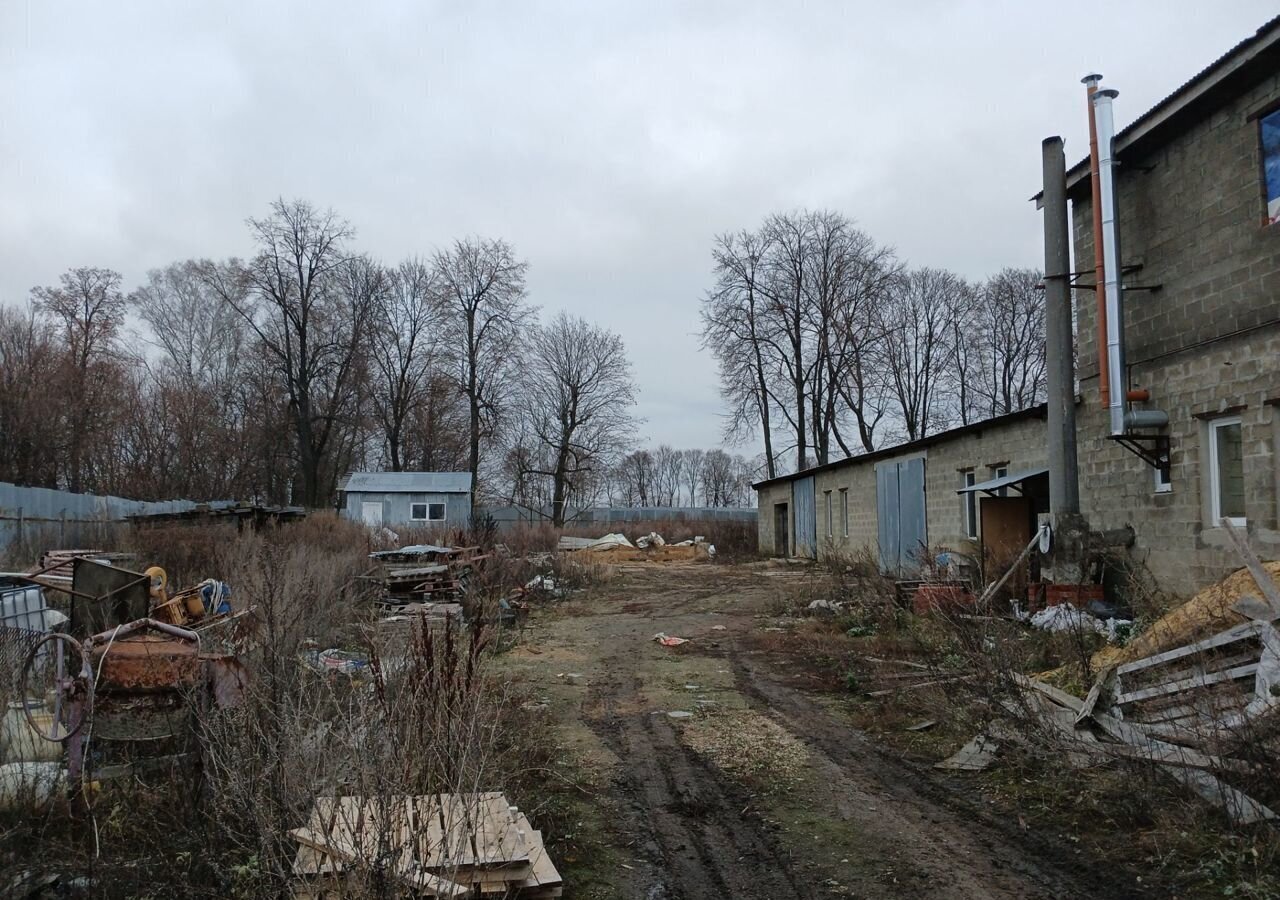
(995, 484)
(408, 482)
(1033, 412)
(1222, 80)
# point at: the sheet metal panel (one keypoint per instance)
(806, 517)
(887, 516)
(913, 533)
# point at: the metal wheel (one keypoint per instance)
(58, 662)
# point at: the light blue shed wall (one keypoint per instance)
(395, 507)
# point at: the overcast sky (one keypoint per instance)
(608, 141)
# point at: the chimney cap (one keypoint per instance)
(1109, 93)
(1091, 79)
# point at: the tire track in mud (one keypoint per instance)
(701, 841)
(940, 844)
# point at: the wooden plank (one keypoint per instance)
(1236, 633)
(1187, 684)
(974, 756)
(1240, 808)
(1056, 694)
(347, 852)
(1259, 572)
(1251, 607)
(510, 845)
(1091, 699)
(458, 830)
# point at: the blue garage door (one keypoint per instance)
(806, 517)
(900, 515)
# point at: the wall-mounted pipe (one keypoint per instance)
(1122, 417)
(1091, 82)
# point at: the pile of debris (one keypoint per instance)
(1191, 708)
(425, 574)
(56, 566)
(615, 548)
(437, 845)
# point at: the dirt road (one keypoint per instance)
(859, 822)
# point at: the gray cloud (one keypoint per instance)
(608, 142)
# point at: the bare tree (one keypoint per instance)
(483, 291)
(1012, 332)
(693, 462)
(720, 479)
(635, 477)
(668, 468)
(30, 364)
(404, 349)
(734, 328)
(309, 303)
(917, 336)
(90, 309)
(580, 393)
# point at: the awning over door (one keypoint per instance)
(1014, 479)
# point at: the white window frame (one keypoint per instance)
(1215, 495)
(827, 499)
(1000, 472)
(844, 511)
(1161, 486)
(426, 517)
(970, 505)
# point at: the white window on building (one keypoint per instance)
(1163, 482)
(427, 512)
(827, 497)
(1000, 472)
(971, 506)
(1226, 471)
(844, 511)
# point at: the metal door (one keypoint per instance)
(913, 536)
(371, 513)
(802, 497)
(887, 516)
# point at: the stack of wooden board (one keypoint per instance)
(426, 572)
(436, 845)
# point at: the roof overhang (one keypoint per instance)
(1015, 479)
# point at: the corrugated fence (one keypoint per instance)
(64, 519)
(510, 515)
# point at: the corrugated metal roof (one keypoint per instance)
(409, 482)
(1034, 412)
(1004, 481)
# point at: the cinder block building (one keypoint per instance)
(1198, 208)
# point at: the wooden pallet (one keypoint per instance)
(439, 845)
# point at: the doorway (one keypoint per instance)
(371, 513)
(781, 530)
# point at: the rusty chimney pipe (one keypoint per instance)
(1091, 81)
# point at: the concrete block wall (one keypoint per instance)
(1018, 445)
(859, 479)
(1181, 546)
(1192, 212)
(766, 498)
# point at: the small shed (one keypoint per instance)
(407, 498)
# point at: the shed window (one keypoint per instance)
(1271, 164)
(1226, 471)
(827, 498)
(426, 512)
(844, 510)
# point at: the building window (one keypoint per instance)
(827, 497)
(971, 506)
(1163, 481)
(844, 511)
(1271, 164)
(1000, 472)
(426, 512)
(1226, 471)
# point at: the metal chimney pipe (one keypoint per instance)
(1105, 121)
(1122, 418)
(1064, 476)
(1091, 82)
